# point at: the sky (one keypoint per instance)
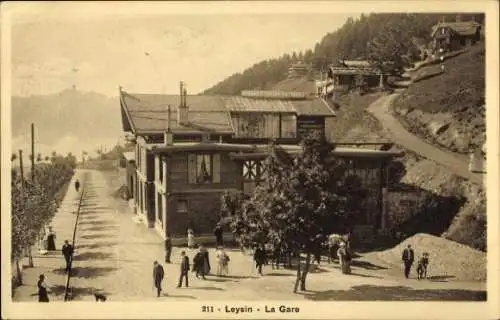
(99, 53)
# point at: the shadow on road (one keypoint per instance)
(86, 272)
(240, 277)
(365, 275)
(219, 280)
(207, 288)
(96, 236)
(366, 265)
(279, 274)
(166, 295)
(101, 244)
(440, 278)
(58, 290)
(101, 227)
(395, 293)
(93, 256)
(92, 220)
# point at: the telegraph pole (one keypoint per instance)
(21, 169)
(32, 152)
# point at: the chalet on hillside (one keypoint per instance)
(299, 69)
(192, 149)
(451, 36)
(345, 76)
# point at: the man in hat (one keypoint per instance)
(158, 275)
(408, 258)
(218, 232)
(67, 251)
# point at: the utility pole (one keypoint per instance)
(21, 169)
(32, 152)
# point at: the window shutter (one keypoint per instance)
(191, 168)
(216, 168)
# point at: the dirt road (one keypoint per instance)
(458, 164)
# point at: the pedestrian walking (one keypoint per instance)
(158, 274)
(67, 251)
(198, 264)
(344, 257)
(222, 262)
(190, 238)
(408, 258)
(184, 269)
(206, 260)
(276, 256)
(168, 248)
(77, 185)
(218, 232)
(51, 240)
(259, 257)
(43, 294)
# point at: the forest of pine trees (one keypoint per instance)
(373, 37)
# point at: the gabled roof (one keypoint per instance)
(147, 113)
(244, 104)
(355, 63)
(463, 28)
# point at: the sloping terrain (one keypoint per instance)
(448, 109)
(68, 121)
(302, 84)
(447, 259)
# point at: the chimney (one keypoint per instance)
(182, 110)
(168, 136)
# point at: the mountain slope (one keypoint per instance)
(348, 42)
(70, 121)
(449, 108)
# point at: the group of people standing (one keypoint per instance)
(408, 258)
(43, 288)
(201, 261)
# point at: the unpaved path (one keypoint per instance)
(458, 164)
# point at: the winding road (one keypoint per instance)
(458, 164)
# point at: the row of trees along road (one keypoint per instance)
(303, 200)
(34, 203)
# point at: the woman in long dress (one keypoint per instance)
(190, 238)
(223, 262)
(206, 260)
(43, 295)
(51, 240)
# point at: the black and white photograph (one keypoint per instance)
(249, 163)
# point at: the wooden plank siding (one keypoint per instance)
(264, 125)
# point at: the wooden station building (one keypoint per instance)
(190, 150)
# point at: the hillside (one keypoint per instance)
(451, 113)
(70, 121)
(406, 32)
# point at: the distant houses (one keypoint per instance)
(191, 149)
(347, 75)
(299, 69)
(451, 36)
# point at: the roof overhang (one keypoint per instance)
(181, 132)
(337, 152)
(198, 146)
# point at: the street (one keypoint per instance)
(114, 256)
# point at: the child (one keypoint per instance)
(190, 238)
(423, 262)
(222, 268)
